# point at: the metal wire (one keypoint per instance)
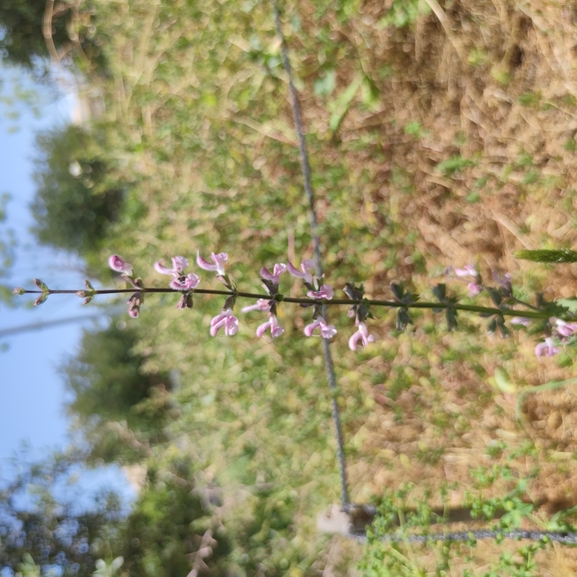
(346, 505)
(306, 169)
(565, 538)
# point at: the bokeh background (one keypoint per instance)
(440, 134)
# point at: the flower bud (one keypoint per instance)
(41, 299)
(41, 285)
(119, 265)
(19, 291)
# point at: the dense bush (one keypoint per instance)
(75, 201)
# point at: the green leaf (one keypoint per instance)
(340, 106)
(398, 290)
(370, 93)
(325, 85)
(41, 299)
(548, 256)
(403, 319)
(451, 316)
(503, 383)
(440, 291)
(495, 296)
(41, 285)
(569, 304)
(453, 165)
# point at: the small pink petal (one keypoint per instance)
(564, 328)
(307, 267)
(325, 292)
(225, 320)
(327, 331)
(295, 272)
(204, 264)
(546, 349)
(273, 277)
(261, 305)
(119, 265)
(261, 329)
(275, 329)
(159, 267)
(189, 282)
(468, 270)
(353, 341)
(179, 263)
(218, 260)
(474, 289)
(362, 335)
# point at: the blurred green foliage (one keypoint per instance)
(7, 247)
(22, 40)
(107, 384)
(75, 199)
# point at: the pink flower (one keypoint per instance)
(179, 263)
(362, 335)
(327, 331)
(565, 329)
(185, 283)
(546, 349)
(273, 277)
(325, 292)
(261, 305)
(119, 265)
(307, 268)
(467, 270)
(474, 289)
(521, 321)
(226, 320)
(134, 304)
(275, 329)
(180, 281)
(218, 260)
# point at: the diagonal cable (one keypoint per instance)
(306, 169)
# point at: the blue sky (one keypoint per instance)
(31, 389)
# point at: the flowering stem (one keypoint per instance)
(533, 314)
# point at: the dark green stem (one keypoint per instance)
(531, 314)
